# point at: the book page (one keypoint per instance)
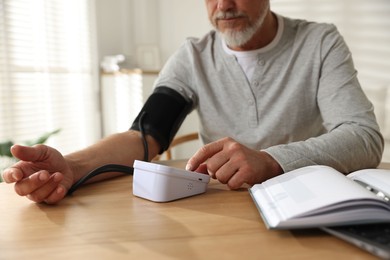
(306, 191)
(378, 179)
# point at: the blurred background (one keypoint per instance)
(87, 66)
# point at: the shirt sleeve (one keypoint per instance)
(353, 140)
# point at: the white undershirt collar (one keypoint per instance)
(248, 59)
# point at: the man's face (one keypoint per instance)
(237, 20)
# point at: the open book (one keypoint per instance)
(318, 196)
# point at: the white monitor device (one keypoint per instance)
(161, 183)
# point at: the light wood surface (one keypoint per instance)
(105, 221)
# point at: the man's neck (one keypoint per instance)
(263, 36)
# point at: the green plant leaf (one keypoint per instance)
(42, 139)
(5, 148)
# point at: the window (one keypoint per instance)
(47, 77)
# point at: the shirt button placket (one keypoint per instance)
(261, 62)
(252, 113)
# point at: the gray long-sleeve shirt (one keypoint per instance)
(303, 105)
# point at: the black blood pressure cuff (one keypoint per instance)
(164, 112)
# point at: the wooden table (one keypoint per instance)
(105, 221)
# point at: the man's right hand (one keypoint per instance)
(42, 174)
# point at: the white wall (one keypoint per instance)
(180, 19)
(114, 28)
(125, 25)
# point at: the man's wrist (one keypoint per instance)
(273, 167)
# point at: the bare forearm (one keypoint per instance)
(122, 148)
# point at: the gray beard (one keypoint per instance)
(239, 38)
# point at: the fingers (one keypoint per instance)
(212, 159)
(203, 154)
(233, 164)
(57, 195)
(12, 175)
(202, 169)
(19, 170)
(41, 186)
(27, 153)
(225, 172)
